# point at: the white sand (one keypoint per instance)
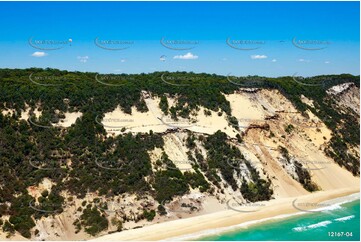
(177, 152)
(211, 124)
(69, 119)
(260, 149)
(223, 219)
(339, 88)
(9, 112)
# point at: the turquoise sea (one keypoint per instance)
(341, 222)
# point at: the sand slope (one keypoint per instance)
(305, 143)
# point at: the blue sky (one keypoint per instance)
(282, 38)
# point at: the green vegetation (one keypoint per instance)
(289, 128)
(233, 122)
(344, 125)
(305, 178)
(190, 142)
(196, 179)
(220, 156)
(8, 228)
(163, 104)
(93, 221)
(170, 182)
(118, 165)
(149, 215)
(118, 223)
(258, 189)
(21, 219)
(303, 175)
(161, 210)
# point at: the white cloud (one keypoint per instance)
(83, 59)
(224, 59)
(303, 60)
(254, 57)
(327, 62)
(274, 60)
(123, 60)
(39, 54)
(188, 56)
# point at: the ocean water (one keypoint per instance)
(318, 226)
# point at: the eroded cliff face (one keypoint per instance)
(273, 145)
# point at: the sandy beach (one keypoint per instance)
(179, 229)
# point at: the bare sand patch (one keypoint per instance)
(69, 119)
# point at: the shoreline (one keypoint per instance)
(228, 220)
(208, 233)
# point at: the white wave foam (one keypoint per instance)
(328, 208)
(312, 226)
(230, 228)
(344, 218)
(337, 202)
(320, 224)
(299, 229)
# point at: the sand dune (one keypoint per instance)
(304, 144)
